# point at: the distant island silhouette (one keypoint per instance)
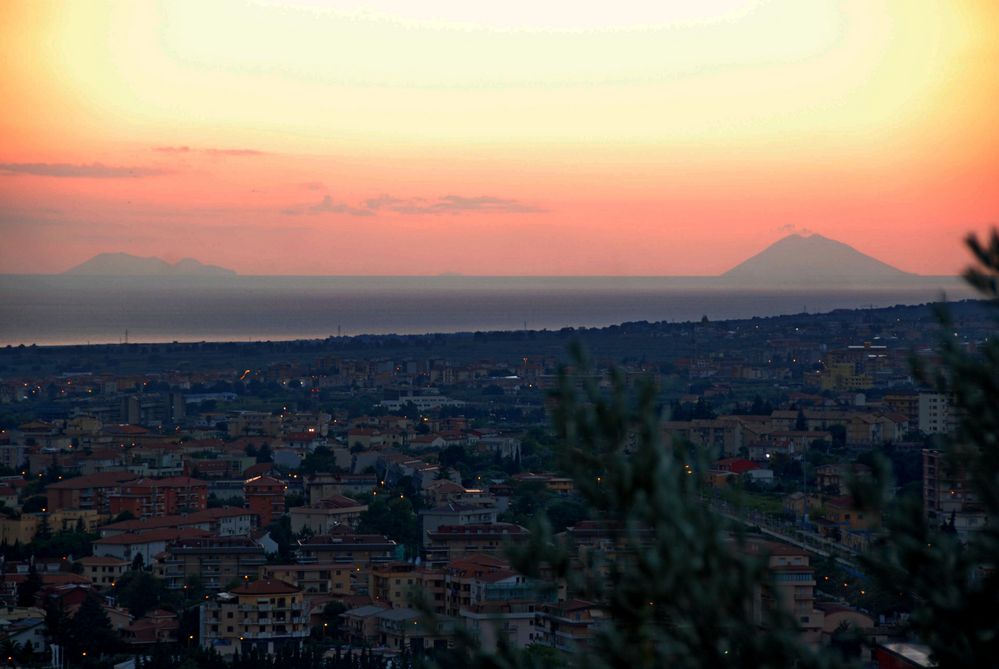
(794, 261)
(125, 264)
(814, 260)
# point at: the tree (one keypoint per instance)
(44, 531)
(90, 630)
(801, 423)
(280, 532)
(954, 585)
(57, 622)
(320, 460)
(563, 512)
(393, 517)
(682, 590)
(526, 501)
(123, 516)
(140, 591)
(8, 649)
(34, 504)
(27, 589)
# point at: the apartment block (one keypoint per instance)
(265, 615)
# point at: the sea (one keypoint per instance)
(60, 310)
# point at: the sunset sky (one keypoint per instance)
(514, 137)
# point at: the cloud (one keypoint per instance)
(451, 204)
(70, 171)
(392, 203)
(456, 204)
(792, 228)
(209, 151)
(234, 152)
(327, 206)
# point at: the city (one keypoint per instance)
(380, 334)
(333, 494)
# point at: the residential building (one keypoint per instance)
(793, 586)
(567, 626)
(490, 621)
(156, 627)
(361, 551)
(456, 514)
(322, 485)
(216, 561)
(146, 498)
(486, 578)
(453, 542)
(361, 625)
(265, 498)
(103, 571)
(722, 435)
(936, 414)
(316, 578)
(148, 544)
(220, 521)
(328, 513)
(87, 492)
(412, 630)
(395, 583)
(948, 495)
(265, 615)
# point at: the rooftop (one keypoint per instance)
(266, 587)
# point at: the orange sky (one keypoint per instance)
(395, 137)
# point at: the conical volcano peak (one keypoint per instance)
(813, 260)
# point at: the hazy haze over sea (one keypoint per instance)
(79, 310)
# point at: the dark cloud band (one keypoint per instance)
(71, 171)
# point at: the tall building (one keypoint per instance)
(793, 587)
(947, 495)
(176, 407)
(266, 615)
(936, 415)
(216, 561)
(265, 498)
(93, 491)
(146, 498)
(130, 412)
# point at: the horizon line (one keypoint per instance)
(906, 276)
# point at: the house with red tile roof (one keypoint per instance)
(148, 544)
(87, 492)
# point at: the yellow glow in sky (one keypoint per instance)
(734, 117)
(458, 72)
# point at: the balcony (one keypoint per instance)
(256, 636)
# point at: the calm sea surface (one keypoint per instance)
(76, 310)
